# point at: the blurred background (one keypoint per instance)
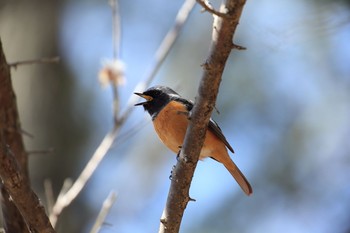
(284, 107)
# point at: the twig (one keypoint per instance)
(21, 194)
(106, 206)
(238, 47)
(34, 61)
(25, 133)
(12, 129)
(223, 31)
(115, 28)
(161, 53)
(207, 7)
(116, 32)
(50, 200)
(67, 184)
(65, 199)
(163, 50)
(113, 71)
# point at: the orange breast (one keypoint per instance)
(171, 124)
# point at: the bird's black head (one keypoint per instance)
(156, 98)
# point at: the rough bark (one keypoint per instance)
(21, 208)
(223, 30)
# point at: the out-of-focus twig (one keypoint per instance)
(116, 24)
(161, 53)
(50, 199)
(119, 76)
(66, 198)
(106, 206)
(34, 61)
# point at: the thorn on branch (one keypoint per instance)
(21, 131)
(238, 47)
(112, 73)
(217, 110)
(34, 61)
(209, 8)
(191, 199)
(25, 133)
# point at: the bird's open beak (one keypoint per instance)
(146, 97)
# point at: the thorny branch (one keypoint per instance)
(21, 208)
(178, 197)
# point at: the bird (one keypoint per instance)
(170, 116)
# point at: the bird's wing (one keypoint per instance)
(213, 126)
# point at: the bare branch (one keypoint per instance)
(112, 73)
(35, 61)
(223, 31)
(116, 29)
(207, 7)
(17, 197)
(107, 205)
(50, 200)
(238, 47)
(18, 188)
(65, 199)
(161, 53)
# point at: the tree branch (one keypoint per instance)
(223, 31)
(68, 196)
(21, 194)
(207, 7)
(35, 61)
(106, 207)
(22, 209)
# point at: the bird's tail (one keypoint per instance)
(238, 175)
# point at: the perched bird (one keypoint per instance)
(170, 113)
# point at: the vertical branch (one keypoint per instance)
(21, 207)
(116, 28)
(9, 124)
(223, 31)
(117, 80)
